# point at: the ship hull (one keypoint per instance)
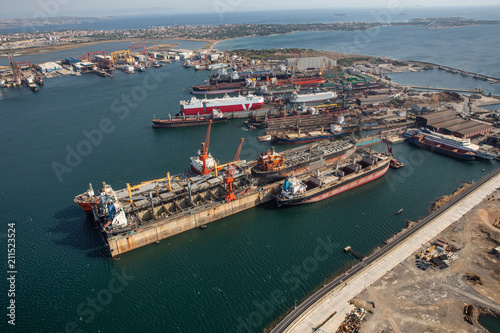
(86, 206)
(442, 149)
(222, 108)
(369, 142)
(180, 122)
(312, 98)
(305, 167)
(215, 92)
(338, 188)
(283, 140)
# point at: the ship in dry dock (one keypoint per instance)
(154, 210)
(297, 161)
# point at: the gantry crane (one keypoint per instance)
(140, 47)
(229, 177)
(123, 55)
(102, 63)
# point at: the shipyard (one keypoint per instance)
(326, 108)
(321, 171)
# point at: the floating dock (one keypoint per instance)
(185, 214)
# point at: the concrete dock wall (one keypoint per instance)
(189, 219)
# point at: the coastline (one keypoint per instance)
(42, 50)
(361, 286)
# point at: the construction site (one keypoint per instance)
(423, 293)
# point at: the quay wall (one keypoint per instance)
(189, 219)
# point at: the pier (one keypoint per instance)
(472, 91)
(354, 253)
(457, 71)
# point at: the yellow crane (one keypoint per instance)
(122, 56)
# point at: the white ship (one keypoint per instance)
(225, 104)
(452, 141)
(313, 97)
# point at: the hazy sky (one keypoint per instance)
(52, 8)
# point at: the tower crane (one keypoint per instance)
(229, 177)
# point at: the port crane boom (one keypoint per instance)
(229, 177)
(204, 151)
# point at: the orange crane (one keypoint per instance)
(204, 151)
(229, 177)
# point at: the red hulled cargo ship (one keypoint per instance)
(225, 104)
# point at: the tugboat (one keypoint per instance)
(395, 164)
(39, 80)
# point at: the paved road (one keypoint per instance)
(466, 107)
(311, 312)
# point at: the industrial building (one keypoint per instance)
(48, 67)
(310, 63)
(447, 123)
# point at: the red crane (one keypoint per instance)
(229, 177)
(204, 151)
(141, 47)
(89, 54)
(389, 148)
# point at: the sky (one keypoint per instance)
(54, 8)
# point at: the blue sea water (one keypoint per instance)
(211, 280)
(468, 48)
(234, 15)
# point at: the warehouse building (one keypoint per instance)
(447, 122)
(310, 63)
(48, 67)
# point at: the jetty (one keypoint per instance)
(472, 91)
(354, 253)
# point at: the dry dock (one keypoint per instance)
(189, 219)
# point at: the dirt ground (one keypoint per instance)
(408, 299)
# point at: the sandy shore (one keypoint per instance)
(161, 44)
